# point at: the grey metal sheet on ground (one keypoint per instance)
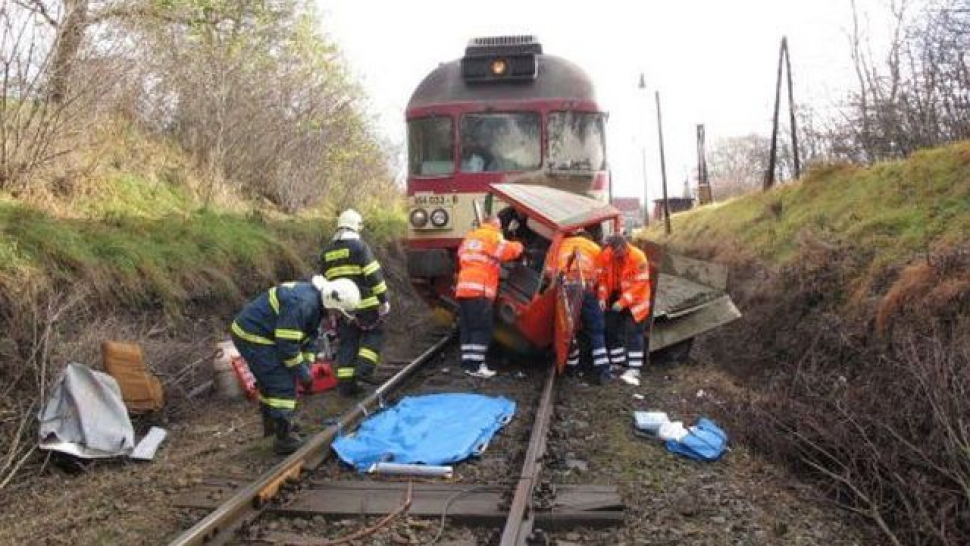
(675, 293)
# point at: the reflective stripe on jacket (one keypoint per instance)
(287, 316)
(626, 281)
(479, 257)
(349, 257)
(585, 264)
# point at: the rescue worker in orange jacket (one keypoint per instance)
(578, 261)
(479, 258)
(624, 293)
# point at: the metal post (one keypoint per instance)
(704, 196)
(643, 151)
(663, 165)
(646, 208)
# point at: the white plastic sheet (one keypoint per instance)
(85, 416)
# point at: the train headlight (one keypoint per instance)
(499, 67)
(419, 218)
(439, 218)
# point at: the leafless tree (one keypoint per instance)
(917, 94)
(738, 164)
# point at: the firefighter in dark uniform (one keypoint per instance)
(360, 334)
(275, 333)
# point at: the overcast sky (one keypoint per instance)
(713, 61)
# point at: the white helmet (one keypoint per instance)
(350, 219)
(341, 294)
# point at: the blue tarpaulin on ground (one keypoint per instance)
(432, 429)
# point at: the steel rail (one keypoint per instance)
(518, 526)
(219, 526)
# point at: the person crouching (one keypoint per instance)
(274, 333)
(624, 292)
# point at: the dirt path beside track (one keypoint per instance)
(670, 500)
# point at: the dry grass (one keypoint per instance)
(855, 284)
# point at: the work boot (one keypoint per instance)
(349, 388)
(269, 424)
(631, 377)
(603, 376)
(482, 372)
(286, 439)
(367, 376)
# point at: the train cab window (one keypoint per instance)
(577, 141)
(500, 142)
(430, 146)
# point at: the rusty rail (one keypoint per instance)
(521, 517)
(244, 506)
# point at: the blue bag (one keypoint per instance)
(705, 442)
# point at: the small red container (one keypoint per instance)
(323, 378)
(245, 377)
(322, 372)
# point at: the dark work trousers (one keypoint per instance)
(593, 328)
(276, 383)
(359, 345)
(475, 325)
(625, 339)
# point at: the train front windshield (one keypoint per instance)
(507, 142)
(430, 146)
(500, 142)
(577, 141)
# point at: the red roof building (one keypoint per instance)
(632, 211)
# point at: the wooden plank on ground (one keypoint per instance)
(378, 498)
(575, 505)
(587, 497)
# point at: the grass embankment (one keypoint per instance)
(886, 215)
(142, 240)
(855, 344)
(139, 246)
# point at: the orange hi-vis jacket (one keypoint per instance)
(479, 257)
(585, 264)
(629, 277)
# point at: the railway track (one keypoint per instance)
(495, 495)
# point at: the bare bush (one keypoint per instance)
(879, 420)
(738, 164)
(32, 324)
(915, 94)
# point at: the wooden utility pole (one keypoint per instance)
(783, 60)
(791, 111)
(663, 165)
